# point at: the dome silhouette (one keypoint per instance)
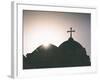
(42, 57)
(45, 51)
(73, 53)
(70, 46)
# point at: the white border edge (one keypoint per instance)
(14, 37)
(14, 48)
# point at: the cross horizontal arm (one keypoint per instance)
(71, 31)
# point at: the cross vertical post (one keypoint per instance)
(71, 32)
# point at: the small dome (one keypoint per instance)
(42, 50)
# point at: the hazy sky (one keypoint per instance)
(42, 27)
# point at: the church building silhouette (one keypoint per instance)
(69, 54)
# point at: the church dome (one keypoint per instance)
(73, 53)
(72, 42)
(72, 47)
(42, 50)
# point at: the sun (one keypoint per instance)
(46, 44)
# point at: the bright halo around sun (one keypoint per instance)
(46, 44)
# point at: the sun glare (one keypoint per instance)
(46, 45)
(42, 35)
(49, 27)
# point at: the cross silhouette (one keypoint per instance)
(71, 32)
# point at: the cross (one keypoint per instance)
(71, 32)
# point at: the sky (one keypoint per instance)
(44, 27)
